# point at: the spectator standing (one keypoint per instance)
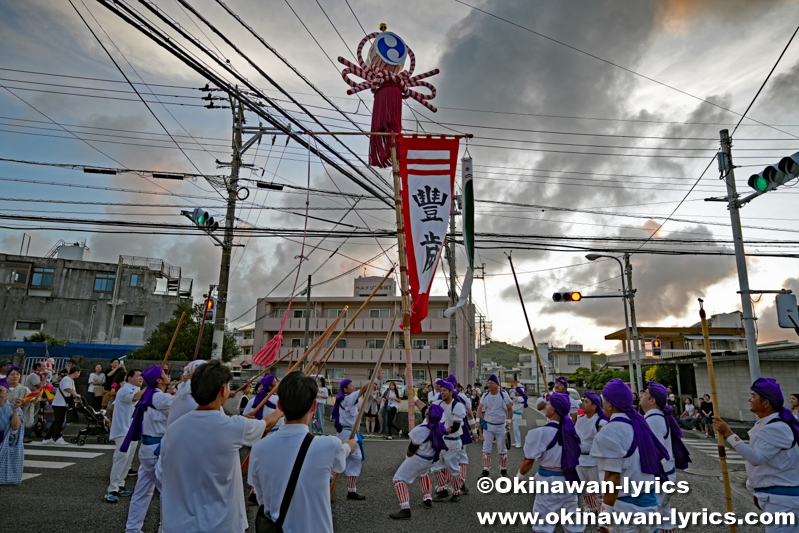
(96, 388)
(115, 374)
(64, 394)
(370, 413)
(18, 391)
(392, 397)
(322, 395)
(124, 404)
(35, 381)
(5, 364)
(383, 412)
(706, 409)
(794, 401)
(12, 454)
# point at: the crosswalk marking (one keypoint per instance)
(65, 453)
(47, 464)
(27, 475)
(74, 446)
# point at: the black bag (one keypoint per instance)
(263, 523)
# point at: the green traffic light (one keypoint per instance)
(759, 183)
(202, 218)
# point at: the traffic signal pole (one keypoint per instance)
(740, 258)
(631, 300)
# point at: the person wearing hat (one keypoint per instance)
(660, 417)
(5, 364)
(556, 447)
(772, 455)
(519, 404)
(12, 426)
(124, 405)
(448, 467)
(587, 427)
(424, 449)
(496, 409)
(626, 449)
(345, 411)
(469, 434)
(560, 385)
(267, 383)
(149, 426)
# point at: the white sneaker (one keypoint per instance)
(47, 442)
(518, 446)
(61, 442)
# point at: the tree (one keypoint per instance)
(581, 376)
(45, 338)
(156, 346)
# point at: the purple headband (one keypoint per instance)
(14, 367)
(4, 383)
(335, 414)
(150, 376)
(520, 391)
(650, 450)
(266, 384)
(437, 430)
(452, 379)
(563, 381)
(594, 399)
(494, 378)
(769, 389)
(661, 395)
(445, 384)
(566, 435)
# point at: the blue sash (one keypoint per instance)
(147, 440)
(644, 500)
(549, 473)
(426, 458)
(670, 472)
(360, 441)
(780, 491)
(453, 438)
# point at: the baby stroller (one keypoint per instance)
(96, 423)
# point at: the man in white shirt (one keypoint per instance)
(184, 403)
(448, 466)
(151, 412)
(433, 394)
(587, 426)
(496, 408)
(519, 403)
(272, 460)
(64, 391)
(772, 455)
(561, 386)
(201, 482)
(124, 403)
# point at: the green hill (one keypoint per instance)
(502, 353)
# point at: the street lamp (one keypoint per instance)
(594, 257)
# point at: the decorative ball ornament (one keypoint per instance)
(383, 73)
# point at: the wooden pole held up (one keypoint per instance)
(529, 329)
(174, 337)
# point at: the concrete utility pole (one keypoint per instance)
(307, 340)
(631, 300)
(453, 294)
(740, 257)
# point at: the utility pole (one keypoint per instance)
(733, 205)
(631, 300)
(453, 294)
(307, 314)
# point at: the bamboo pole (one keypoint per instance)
(719, 437)
(529, 329)
(261, 373)
(406, 295)
(174, 337)
(312, 367)
(364, 400)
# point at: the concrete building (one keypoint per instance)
(244, 340)
(69, 297)
(358, 350)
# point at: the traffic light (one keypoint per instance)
(774, 176)
(567, 297)
(787, 312)
(203, 219)
(656, 350)
(210, 310)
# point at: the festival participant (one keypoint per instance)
(772, 455)
(124, 401)
(660, 417)
(425, 447)
(556, 446)
(469, 435)
(587, 427)
(12, 427)
(201, 482)
(149, 426)
(266, 385)
(561, 386)
(272, 461)
(184, 402)
(448, 465)
(345, 411)
(496, 409)
(627, 449)
(433, 395)
(519, 404)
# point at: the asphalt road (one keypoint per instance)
(65, 492)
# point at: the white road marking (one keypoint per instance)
(75, 446)
(26, 475)
(46, 464)
(63, 452)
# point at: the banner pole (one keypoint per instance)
(406, 295)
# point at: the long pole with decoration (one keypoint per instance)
(527, 320)
(406, 294)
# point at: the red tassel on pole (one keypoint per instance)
(386, 118)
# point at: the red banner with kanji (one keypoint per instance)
(427, 171)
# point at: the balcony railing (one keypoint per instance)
(368, 355)
(647, 356)
(358, 325)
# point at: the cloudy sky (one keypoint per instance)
(598, 107)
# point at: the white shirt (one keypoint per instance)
(454, 412)
(690, 409)
(271, 462)
(587, 430)
(267, 410)
(657, 423)
(609, 448)
(518, 407)
(202, 487)
(348, 410)
(392, 399)
(66, 383)
(575, 405)
(535, 447)
(123, 411)
(771, 460)
(418, 435)
(154, 423)
(431, 396)
(495, 407)
(321, 395)
(96, 377)
(183, 403)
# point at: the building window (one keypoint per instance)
(401, 344)
(104, 282)
(379, 313)
(278, 313)
(573, 360)
(42, 278)
(136, 321)
(246, 351)
(418, 344)
(334, 313)
(299, 313)
(134, 280)
(375, 343)
(336, 373)
(441, 374)
(419, 375)
(342, 343)
(440, 313)
(442, 344)
(297, 343)
(14, 273)
(29, 326)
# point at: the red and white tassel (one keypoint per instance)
(403, 494)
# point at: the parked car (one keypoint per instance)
(400, 387)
